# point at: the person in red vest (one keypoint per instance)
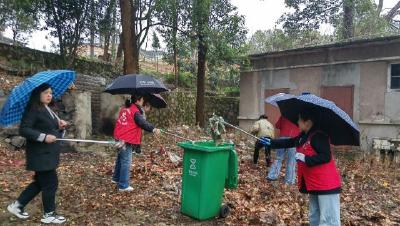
(286, 130)
(317, 174)
(128, 133)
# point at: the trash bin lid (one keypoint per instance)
(207, 146)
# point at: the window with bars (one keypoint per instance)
(395, 76)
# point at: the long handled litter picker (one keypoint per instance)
(215, 120)
(86, 141)
(242, 130)
(176, 135)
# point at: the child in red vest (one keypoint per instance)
(317, 174)
(128, 131)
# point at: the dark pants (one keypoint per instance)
(45, 182)
(257, 148)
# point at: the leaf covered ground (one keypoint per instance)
(86, 196)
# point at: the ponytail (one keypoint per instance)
(128, 103)
(132, 100)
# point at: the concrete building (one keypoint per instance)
(362, 77)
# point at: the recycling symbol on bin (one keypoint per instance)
(192, 164)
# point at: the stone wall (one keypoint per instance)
(180, 110)
(95, 86)
(77, 111)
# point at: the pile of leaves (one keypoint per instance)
(8, 82)
(86, 196)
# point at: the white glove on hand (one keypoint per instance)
(120, 145)
(300, 157)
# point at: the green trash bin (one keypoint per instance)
(207, 170)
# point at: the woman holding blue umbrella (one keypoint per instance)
(29, 105)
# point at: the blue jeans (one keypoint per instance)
(324, 210)
(123, 167)
(290, 177)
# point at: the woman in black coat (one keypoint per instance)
(41, 127)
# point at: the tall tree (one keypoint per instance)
(128, 43)
(203, 26)
(156, 46)
(173, 16)
(201, 19)
(92, 27)
(348, 17)
(106, 28)
(20, 16)
(344, 15)
(136, 20)
(69, 20)
(277, 40)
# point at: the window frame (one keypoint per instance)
(389, 81)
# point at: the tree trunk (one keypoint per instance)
(136, 38)
(106, 54)
(119, 50)
(92, 28)
(176, 69)
(201, 18)
(174, 43)
(348, 9)
(201, 75)
(127, 37)
(380, 6)
(108, 30)
(114, 35)
(58, 28)
(136, 54)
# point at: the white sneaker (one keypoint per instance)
(52, 218)
(15, 208)
(114, 182)
(126, 189)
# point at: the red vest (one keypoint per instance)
(287, 128)
(126, 128)
(322, 177)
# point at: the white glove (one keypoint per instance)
(120, 145)
(300, 157)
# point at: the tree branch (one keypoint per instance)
(187, 33)
(380, 5)
(393, 12)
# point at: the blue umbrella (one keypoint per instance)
(332, 120)
(278, 97)
(12, 111)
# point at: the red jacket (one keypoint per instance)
(126, 128)
(287, 128)
(322, 177)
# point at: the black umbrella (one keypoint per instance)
(332, 120)
(135, 83)
(157, 101)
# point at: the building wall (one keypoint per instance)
(373, 82)
(374, 107)
(306, 79)
(344, 75)
(250, 98)
(363, 65)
